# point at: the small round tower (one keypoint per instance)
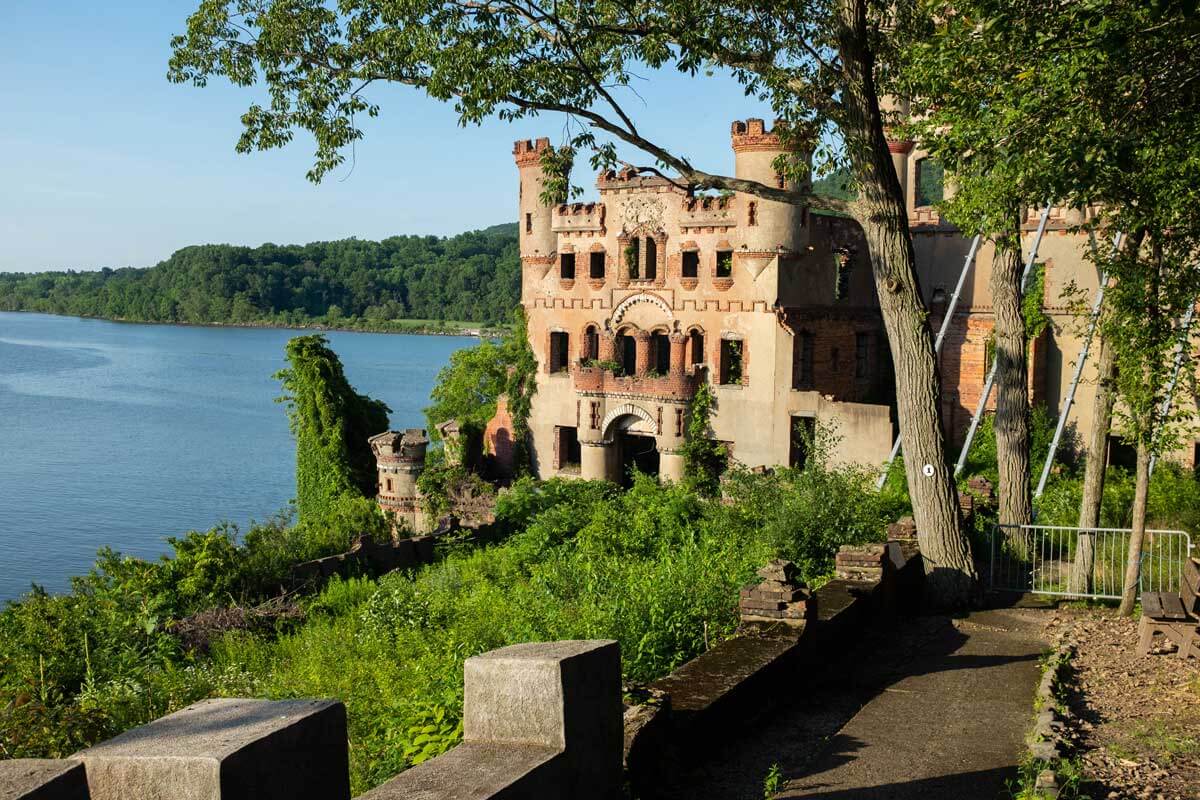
(766, 225)
(537, 238)
(400, 458)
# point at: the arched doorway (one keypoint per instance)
(632, 432)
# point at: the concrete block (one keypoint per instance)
(228, 749)
(42, 779)
(474, 771)
(559, 695)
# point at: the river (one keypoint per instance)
(124, 434)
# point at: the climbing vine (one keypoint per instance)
(331, 423)
(1036, 320)
(703, 456)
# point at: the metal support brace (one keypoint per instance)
(1065, 411)
(1179, 354)
(937, 343)
(991, 378)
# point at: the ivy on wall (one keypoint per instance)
(331, 423)
(703, 456)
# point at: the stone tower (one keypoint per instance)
(535, 223)
(401, 459)
(768, 225)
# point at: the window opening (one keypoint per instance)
(633, 253)
(724, 263)
(731, 362)
(596, 265)
(697, 347)
(660, 353)
(559, 344)
(930, 187)
(651, 270)
(691, 264)
(567, 266)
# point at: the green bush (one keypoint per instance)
(657, 568)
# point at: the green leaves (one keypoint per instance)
(331, 423)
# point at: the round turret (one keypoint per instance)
(767, 225)
(537, 237)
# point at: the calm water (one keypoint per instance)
(121, 435)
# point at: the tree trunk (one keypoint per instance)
(1012, 387)
(1080, 579)
(950, 579)
(1134, 560)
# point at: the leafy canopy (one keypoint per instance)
(514, 59)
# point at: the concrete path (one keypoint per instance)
(929, 708)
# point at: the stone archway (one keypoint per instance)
(609, 428)
(632, 434)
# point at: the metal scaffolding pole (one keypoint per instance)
(1079, 362)
(937, 343)
(991, 378)
(1179, 354)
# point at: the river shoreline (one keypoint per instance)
(480, 332)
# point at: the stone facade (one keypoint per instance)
(635, 300)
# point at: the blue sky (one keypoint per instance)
(106, 163)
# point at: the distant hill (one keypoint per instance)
(836, 185)
(473, 277)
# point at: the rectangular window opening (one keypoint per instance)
(529, 223)
(569, 455)
(724, 263)
(731, 362)
(567, 266)
(596, 266)
(559, 348)
(633, 256)
(691, 264)
(930, 182)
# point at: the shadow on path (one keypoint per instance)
(927, 707)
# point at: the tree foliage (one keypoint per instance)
(351, 283)
(331, 423)
(703, 456)
(469, 386)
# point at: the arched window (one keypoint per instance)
(660, 353)
(651, 271)
(626, 352)
(696, 341)
(633, 255)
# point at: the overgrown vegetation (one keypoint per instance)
(331, 423)
(658, 568)
(394, 284)
(703, 456)
(468, 388)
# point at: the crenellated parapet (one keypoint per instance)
(400, 460)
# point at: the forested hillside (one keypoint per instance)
(473, 276)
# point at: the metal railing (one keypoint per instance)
(1079, 562)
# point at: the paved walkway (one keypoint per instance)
(929, 708)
